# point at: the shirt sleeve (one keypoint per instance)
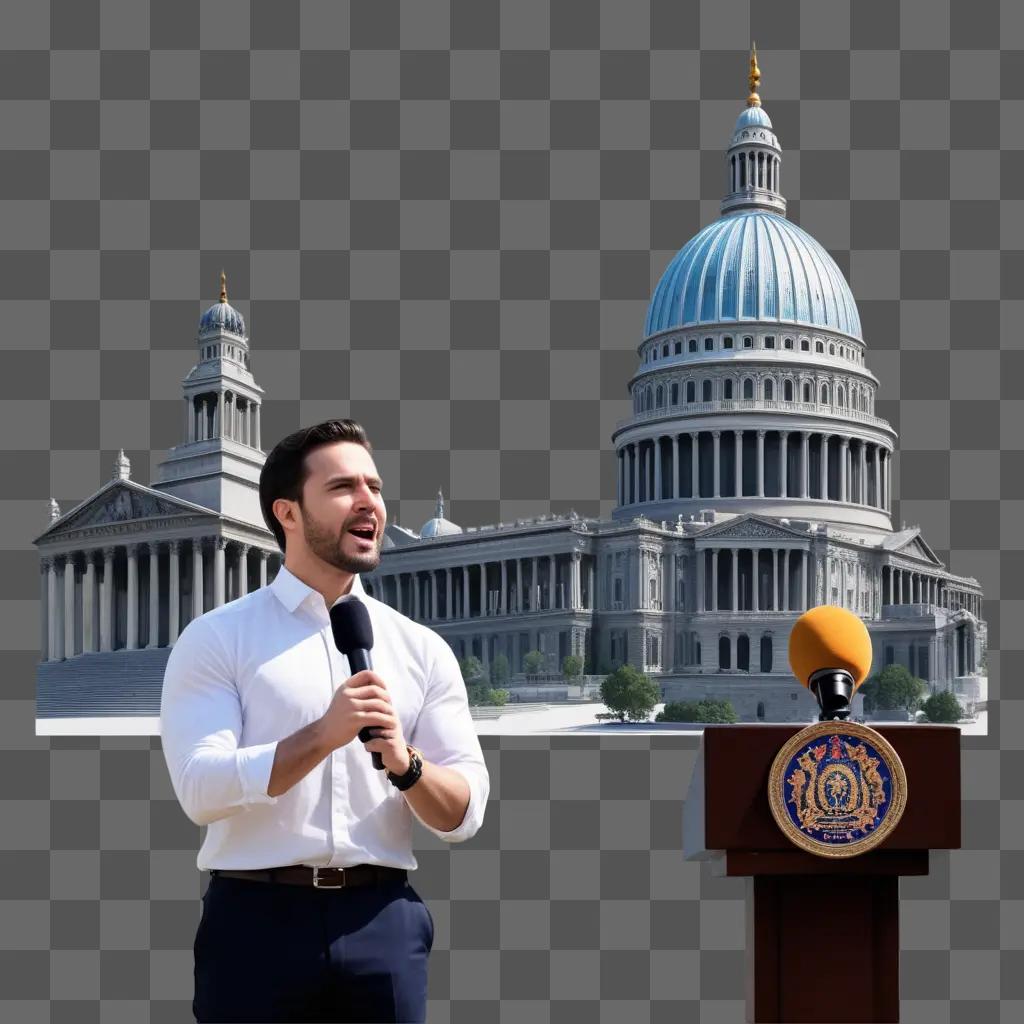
(445, 734)
(201, 727)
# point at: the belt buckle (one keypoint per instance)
(317, 884)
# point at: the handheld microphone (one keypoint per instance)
(353, 636)
(830, 653)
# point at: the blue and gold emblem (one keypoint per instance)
(837, 788)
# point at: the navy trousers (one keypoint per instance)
(267, 951)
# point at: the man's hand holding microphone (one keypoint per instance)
(364, 702)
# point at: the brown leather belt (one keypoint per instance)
(319, 877)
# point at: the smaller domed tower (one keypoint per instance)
(218, 463)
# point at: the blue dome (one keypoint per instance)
(753, 265)
(753, 116)
(222, 315)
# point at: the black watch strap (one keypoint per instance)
(403, 782)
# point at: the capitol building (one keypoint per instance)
(754, 482)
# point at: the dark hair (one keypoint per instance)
(285, 472)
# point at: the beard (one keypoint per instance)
(328, 546)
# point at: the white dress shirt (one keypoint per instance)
(245, 675)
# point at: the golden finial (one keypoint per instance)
(223, 286)
(753, 100)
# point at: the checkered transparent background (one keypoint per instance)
(445, 220)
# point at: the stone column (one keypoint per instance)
(154, 595)
(219, 570)
(674, 489)
(552, 596)
(89, 602)
(783, 463)
(717, 438)
(53, 642)
(863, 472)
(636, 471)
(803, 579)
(448, 594)
(483, 588)
(263, 567)
(695, 464)
(173, 591)
(107, 631)
(699, 604)
(243, 569)
(133, 597)
(714, 579)
(844, 451)
(656, 453)
(760, 464)
(785, 579)
(755, 559)
(69, 605)
(503, 599)
(197, 577)
(739, 463)
(824, 466)
(574, 600)
(775, 577)
(805, 463)
(465, 592)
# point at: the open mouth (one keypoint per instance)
(364, 533)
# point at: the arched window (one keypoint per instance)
(748, 388)
(728, 390)
(709, 344)
(819, 347)
(705, 391)
(807, 392)
(748, 342)
(840, 396)
(691, 391)
(831, 349)
(824, 394)
(660, 400)
(789, 343)
(760, 710)
(787, 391)
(727, 343)
(650, 397)
(675, 392)
(769, 342)
(679, 348)
(766, 653)
(769, 390)
(724, 653)
(693, 344)
(805, 345)
(743, 170)
(664, 349)
(743, 652)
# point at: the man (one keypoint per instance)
(309, 914)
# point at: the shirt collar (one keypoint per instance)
(292, 592)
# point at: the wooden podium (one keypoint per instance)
(823, 939)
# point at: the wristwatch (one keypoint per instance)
(415, 770)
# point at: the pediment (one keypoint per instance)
(912, 544)
(751, 528)
(121, 501)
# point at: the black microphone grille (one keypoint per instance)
(350, 623)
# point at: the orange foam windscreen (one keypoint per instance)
(829, 637)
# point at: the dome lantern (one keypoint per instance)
(753, 161)
(222, 316)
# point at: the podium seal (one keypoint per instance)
(837, 788)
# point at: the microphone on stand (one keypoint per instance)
(353, 636)
(830, 653)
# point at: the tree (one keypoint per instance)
(893, 687)
(532, 661)
(572, 666)
(499, 670)
(472, 669)
(630, 694)
(707, 710)
(943, 707)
